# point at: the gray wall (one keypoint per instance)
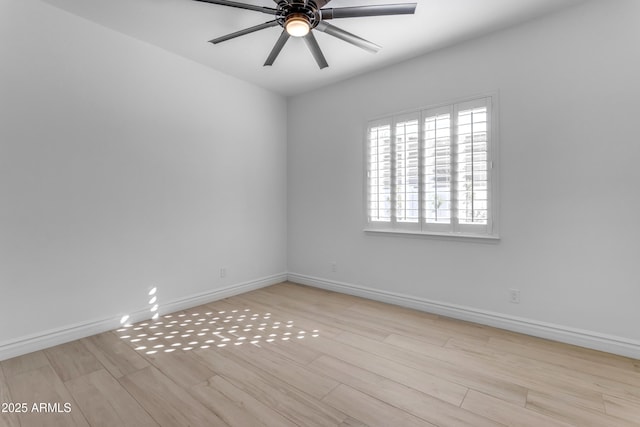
(124, 167)
(569, 151)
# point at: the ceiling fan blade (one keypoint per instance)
(313, 46)
(372, 10)
(334, 31)
(269, 10)
(245, 31)
(284, 36)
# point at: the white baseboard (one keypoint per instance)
(583, 338)
(589, 339)
(53, 337)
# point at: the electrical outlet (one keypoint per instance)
(223, 272)
(514, 296)
(334, 266)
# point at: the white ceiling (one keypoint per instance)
(184, 27)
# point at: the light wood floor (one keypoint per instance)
(290, 355)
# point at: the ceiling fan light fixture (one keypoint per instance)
(297, 25)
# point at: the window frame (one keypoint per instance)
(422, 228)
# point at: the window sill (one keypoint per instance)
(432, 234)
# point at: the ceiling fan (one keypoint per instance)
(299, 17)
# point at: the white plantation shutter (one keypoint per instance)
(472, 165)
(379, 172)
(407, 170)
(436, 169)
(430, 171)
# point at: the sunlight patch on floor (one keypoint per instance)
(207, 330)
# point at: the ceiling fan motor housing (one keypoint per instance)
(309, 12)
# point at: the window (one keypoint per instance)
(433, 171)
